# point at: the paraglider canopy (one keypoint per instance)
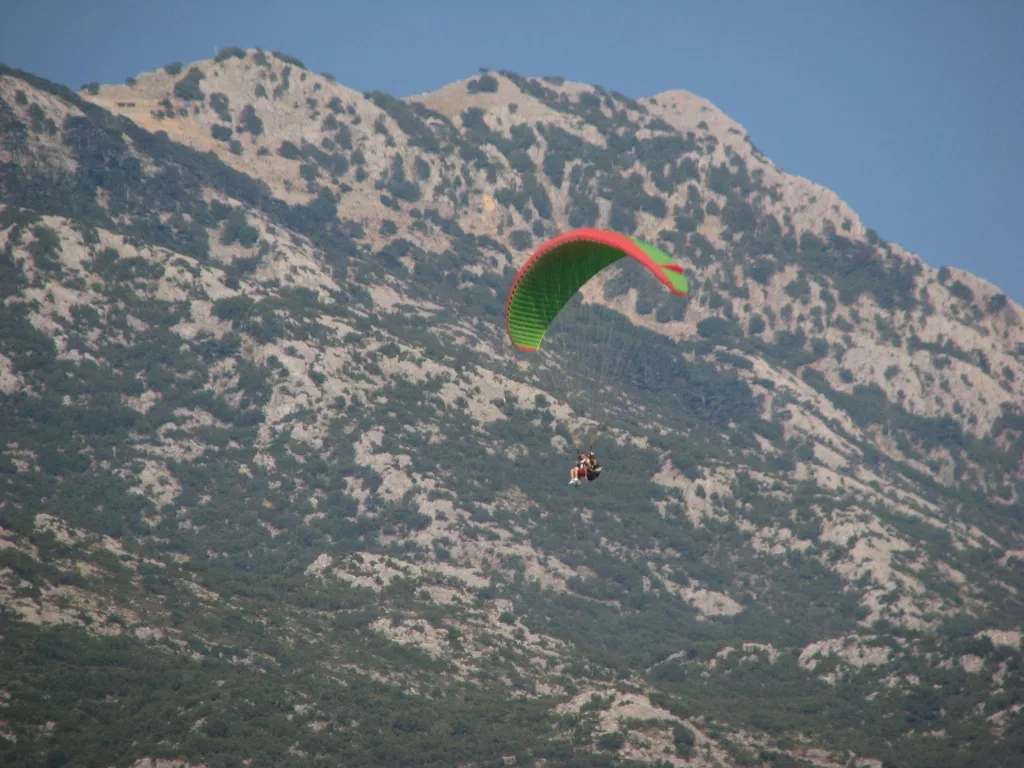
(562, 265)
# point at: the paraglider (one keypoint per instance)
(586, 468)
(562, 265)
(554, 274)
(580, 469)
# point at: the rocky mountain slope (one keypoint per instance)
(275, 487)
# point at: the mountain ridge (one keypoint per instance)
(280, 399)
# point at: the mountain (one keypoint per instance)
(276, 489)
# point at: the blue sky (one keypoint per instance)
(913, 112)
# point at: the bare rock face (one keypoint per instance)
(276, 485)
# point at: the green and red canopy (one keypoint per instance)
(562, 265)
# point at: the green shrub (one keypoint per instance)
(188, 89)
(237, 230)
(484, 84)
(289, 151)
(961, 291)
(683, 739)
(219, 103)
(520, 239)
(717, 328)
(249, 121)
(422, 168)
(288, 59)
(611, 741)
(230, 52)
(996, 303)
